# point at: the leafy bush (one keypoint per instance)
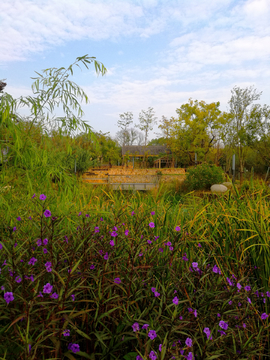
(203, 177)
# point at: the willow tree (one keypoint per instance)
(52, 88)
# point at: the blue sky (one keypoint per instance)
(158, 53)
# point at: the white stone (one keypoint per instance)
(218, 188)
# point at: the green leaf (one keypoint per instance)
(83, 354)
(75, 266)
(130, 356)
(69, 355)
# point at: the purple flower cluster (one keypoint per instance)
(8, 296)
(156, 293)
(47, 289)
(74, 347)
(48, 266)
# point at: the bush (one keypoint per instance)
(204, 176)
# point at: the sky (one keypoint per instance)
(158, 53)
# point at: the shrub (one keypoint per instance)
(203, 176)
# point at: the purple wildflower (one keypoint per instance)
(117, 280)
(114, 234)
(8, 296)
(42, 197)
(145, 326)
(18, 279)
(74, 347)
(96, 229)
(45, 241)
(151, 225)
(47, 289)
(39, 242)
(152, 355)
(72, 297)
(47, 213)
(222, 332)
(66, 332)
(54, 296)
(199, 245)
(152, 213)
(149, 241)
(177, 228)
(216, 270)
(136, 327)
(19, 218)
(207, 332)
(185, 257)
(188, 342)
(126, 232)
(48, 266)
(264, 316)
(247, 288)
(152, 334)
(45, 250)
(230, 282)
(175, 300)
(32, 261)
(223, 325)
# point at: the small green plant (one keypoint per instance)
(203, 176)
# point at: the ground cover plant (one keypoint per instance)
(109, 276)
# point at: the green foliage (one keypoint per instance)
(204, 176)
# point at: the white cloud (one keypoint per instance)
(212, 46)
(33, 26)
